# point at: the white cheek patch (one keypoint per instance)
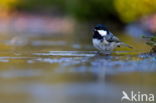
(102, 32)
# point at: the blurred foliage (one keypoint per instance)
(126, 10)
(6, 7)
(7, 4)
(81, 9)
(41, 5)
(130, 10)
(90, 9)
(151, 42)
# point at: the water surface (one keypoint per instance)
(67, 69)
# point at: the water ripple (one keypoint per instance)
(69, 53)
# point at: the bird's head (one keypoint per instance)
(101, 29)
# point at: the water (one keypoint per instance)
(67, 69)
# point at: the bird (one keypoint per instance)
(105, 41)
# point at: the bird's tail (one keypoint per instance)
(126, 45)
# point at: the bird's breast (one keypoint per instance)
(96, 41)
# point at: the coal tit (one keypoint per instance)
(104, 40)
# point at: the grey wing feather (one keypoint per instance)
(113, 38)
(116, 39)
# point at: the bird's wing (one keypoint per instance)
(113, 38)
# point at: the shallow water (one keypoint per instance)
(67, 69)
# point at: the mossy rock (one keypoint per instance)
(154, 49)
(151, 42)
